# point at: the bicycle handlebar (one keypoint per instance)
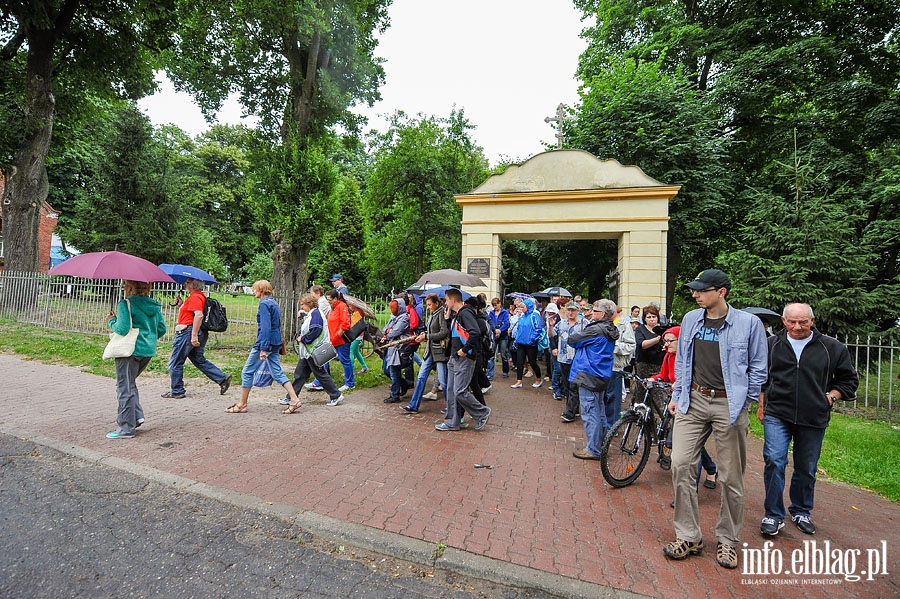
(647, 383)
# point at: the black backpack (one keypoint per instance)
(215, 318)
(487, 334)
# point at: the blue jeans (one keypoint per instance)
(393, 373)
(807, 448)
(343, 354)
(612, 399)
(554, 378)
(252, 363)
(503, 350)
(593, 416)
(183, 350)
(427, 366)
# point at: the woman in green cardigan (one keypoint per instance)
(146, 316)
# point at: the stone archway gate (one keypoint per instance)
(571, 194)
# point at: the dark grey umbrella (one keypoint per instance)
(561, 291)
(766, 315)
(449, 276)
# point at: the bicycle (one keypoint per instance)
(626, 447)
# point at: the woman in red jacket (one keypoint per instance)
(338, 324)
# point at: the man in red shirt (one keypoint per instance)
(189, 343)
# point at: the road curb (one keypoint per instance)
(348, 533)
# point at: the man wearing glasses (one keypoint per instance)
(720, 368)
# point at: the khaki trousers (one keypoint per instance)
(731, 457)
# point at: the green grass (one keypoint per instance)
(858, 451)
(83, 351)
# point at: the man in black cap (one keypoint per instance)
(337, 280)
(720, 367)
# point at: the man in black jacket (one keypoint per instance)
(808, 372)
(465, 339)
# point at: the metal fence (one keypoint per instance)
(81, 305)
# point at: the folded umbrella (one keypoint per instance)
(361, 306)
(182, 272)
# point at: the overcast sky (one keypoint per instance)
(507, 63)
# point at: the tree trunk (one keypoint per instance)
(290, 278)
(26, 179)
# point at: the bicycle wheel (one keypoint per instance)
(367, 347)
(626, 450)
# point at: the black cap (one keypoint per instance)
(710, 278)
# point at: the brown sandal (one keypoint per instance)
(292, 408)
(236, 409)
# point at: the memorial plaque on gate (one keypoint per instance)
(480, 267)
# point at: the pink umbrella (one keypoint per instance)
(111, 265)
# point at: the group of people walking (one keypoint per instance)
(719, 361)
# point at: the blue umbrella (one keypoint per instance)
(181, 273)
(441, 292)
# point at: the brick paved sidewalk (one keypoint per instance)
(370, 463)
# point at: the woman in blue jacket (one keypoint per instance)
(528, 331)
(267, 348)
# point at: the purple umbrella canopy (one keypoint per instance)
(111, 265)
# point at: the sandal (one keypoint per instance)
(292, 408)
(236, 409)
(680, 549)
(726, 555)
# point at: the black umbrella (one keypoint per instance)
(766, 315)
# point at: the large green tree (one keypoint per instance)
(56, 56)
(816, 80)
(298, 66)
(638, 114)
(413, 222)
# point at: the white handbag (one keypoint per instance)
(122, 346)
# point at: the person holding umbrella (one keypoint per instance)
(190, 341)
(138, 310)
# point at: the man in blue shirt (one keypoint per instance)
(720, 368)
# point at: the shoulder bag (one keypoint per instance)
(122, 346)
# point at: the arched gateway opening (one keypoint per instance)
(571, 194)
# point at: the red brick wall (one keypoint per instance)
(49, 219)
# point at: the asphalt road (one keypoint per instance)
(72, 528)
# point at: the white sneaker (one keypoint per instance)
(430, 395)
(335, 401)
(343, 388)
(312, 387)
(284, 401)
(487, 389)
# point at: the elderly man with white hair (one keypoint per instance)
(591, 370)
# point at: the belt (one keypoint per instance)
(709, 392)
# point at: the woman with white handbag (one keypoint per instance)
(137, 326)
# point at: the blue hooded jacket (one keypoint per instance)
(528, 329)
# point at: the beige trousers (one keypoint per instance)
(731, 459)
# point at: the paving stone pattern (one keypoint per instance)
(370, 463)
